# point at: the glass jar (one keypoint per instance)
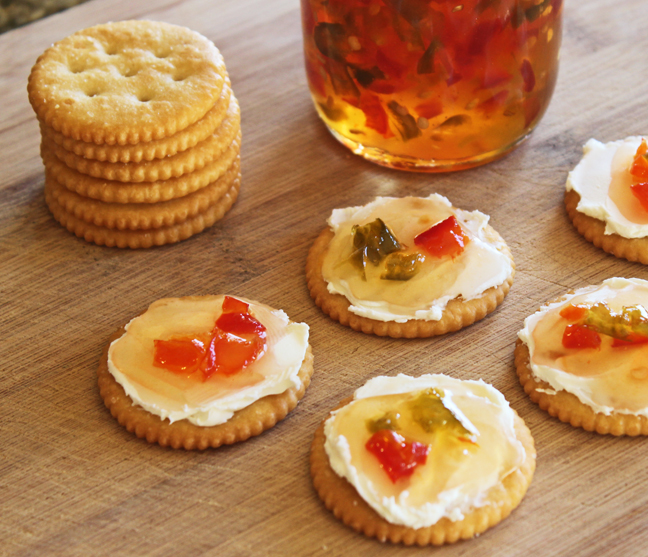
(431, 85)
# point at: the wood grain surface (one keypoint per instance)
(73, 482)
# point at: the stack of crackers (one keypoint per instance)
(140, 133)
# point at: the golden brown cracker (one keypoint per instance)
(341, 498)
(142, 216)
(457, 314)
(110, 191)
(593, 230)
(126, 82)
(567, 408)
(135, 239)
(155, 149)
(247, 422)
(196, 158)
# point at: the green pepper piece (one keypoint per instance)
(388, 421)
(332, 113)
(372, 242)
(432, 415)
(426, 61)
(402, 266)
(331, 40)
(454, 121)
(366, 77)
(600, 318)
(534, 12)
(633, 319)
(405, 122)
(637, 316)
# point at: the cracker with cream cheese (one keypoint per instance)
(445, 294)
(450, 515)
(596, 381)
(600, 202)
(219, 410)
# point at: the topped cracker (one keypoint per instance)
(126, 82)
(387, 268)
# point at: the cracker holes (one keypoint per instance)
(144, 97)
(162, 53)
(129, 72)
(180, 76)
(111, 50)
(76, 67)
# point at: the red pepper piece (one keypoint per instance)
(235, 342)
(573, 313)
(640, 191)
(482, 35)
(232, 305)
(528, 76)
(240, 324)
(494, 102)
(228, 354)
(180, 355)
(397, 457)
(444, 238)
(375, 115)
(429, 109)
(389, 66)
(639, 168)
(633, 339)
(238, 339)
(579, 336)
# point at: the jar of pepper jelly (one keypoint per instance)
(431, 85)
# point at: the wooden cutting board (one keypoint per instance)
(73, 482)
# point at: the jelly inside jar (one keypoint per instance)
(431, 86)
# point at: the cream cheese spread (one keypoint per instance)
(602, 180)
(606, 379)
(482, 265)
(214, 401)
(453, 480)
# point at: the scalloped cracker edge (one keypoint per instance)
(341, 498)
(456, 315)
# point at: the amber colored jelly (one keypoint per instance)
(431, 85)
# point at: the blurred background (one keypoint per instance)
(14, 13)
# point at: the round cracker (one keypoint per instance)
(142, 216)
(593, 230)
(567, 408)
(247, 422)
(341, 498)
(457, 314)
(110, 191)
(126, 82)
(136, 239)
(156, 149)
(194, 159)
